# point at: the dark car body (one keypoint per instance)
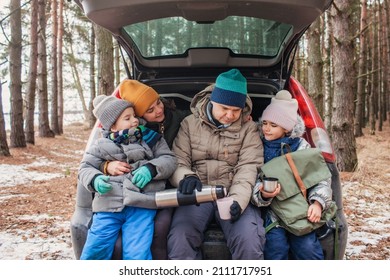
(180, 47)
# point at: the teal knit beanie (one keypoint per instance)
(230, 89)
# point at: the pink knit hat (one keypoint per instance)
(282, 110)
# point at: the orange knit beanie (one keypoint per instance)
(141, 95)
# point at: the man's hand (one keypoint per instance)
(189, 184)
(101, 185)
(235, 211)
(115, 168)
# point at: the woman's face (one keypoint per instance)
(155, 113)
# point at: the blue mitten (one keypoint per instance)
(100, 184)
(141, 177)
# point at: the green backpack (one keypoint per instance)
(291, 204)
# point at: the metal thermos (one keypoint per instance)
(173, 198)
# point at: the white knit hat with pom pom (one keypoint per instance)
(282, 111)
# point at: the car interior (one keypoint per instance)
(182, 93)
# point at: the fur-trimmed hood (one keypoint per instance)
(297, 131)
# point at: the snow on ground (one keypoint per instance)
(25, 245)
(19, 247)
(10, 174)
(374, 219)
(369, 210)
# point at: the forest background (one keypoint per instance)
(49, 51)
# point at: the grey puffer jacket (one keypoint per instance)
(322, 192)
(124, 192)
(230, 156)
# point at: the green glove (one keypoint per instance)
(100, 184)
(141, 177)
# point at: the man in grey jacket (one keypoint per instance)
(218, 145)
(124, 202)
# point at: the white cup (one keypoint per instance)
(270, 184)
(223, 205)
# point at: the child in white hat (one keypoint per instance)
(280, 123)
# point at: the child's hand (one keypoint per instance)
(314, 212)
(141, 177)
(101, 184)
(265, 194)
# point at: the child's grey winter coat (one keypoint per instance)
(124, 192)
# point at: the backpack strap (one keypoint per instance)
(271, 226)
(336, 239)
(296, 174)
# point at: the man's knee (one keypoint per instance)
(247, 243)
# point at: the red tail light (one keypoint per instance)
(316, 133)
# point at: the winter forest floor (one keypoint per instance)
(38, 191)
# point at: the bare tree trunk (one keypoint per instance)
(4, 150)
(32, 75)
(342, 117)
(375, 71)
(303, 67)
(380, 66)
(299, 66)
(358, 131)
(105, 61)
(44, 128)
(117, 58)
(315, 65)
(386, 86)
(53, 72)
(328, 75)
(92, 56)
(76, 78)
(370, 66)
(60, 87)
(17, 137)
(355, 29)
(372, 119)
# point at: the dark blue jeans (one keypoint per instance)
(281, 244)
